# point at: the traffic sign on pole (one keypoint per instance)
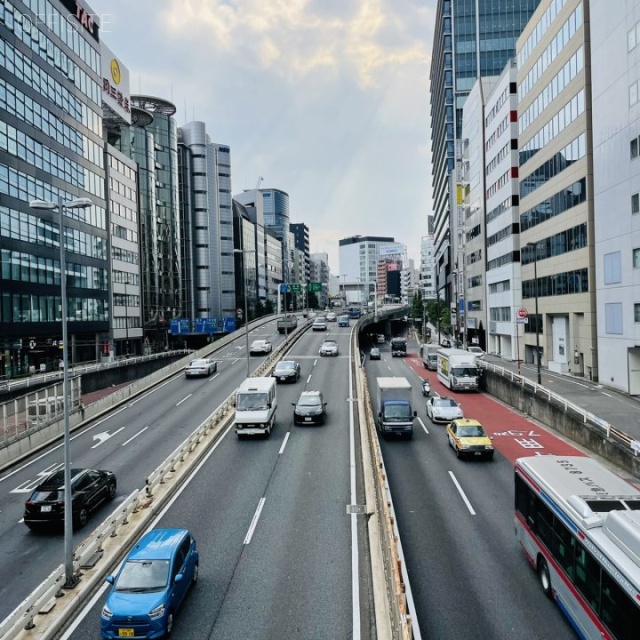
(522, 316)
(314, 287)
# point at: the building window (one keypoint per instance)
(634, 148)
(613, 317)
(636, 258)
(612, 268)
(636, 312)
(635, 203)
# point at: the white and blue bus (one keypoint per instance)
(579, 526)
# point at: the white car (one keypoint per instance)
(443, 409)
(319, 324)
(259, 347)
(476, 350)
(200, 367)
(329, 348)
(331, 317)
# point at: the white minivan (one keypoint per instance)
(256, 405)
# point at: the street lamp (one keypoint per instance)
(534, 246)
(78, 203)
(246, 315)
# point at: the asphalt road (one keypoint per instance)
(468, 576)
(284, 570)
(131, 441)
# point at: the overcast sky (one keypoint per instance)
(328, 100)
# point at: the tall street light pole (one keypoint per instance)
(246, 314)
(533, 246)
(78, 203)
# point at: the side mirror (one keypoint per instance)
(380, 414)
(324, 404)
(415, 414)
(293, 404)
(110, 579)
(179, 578)
(268, 405)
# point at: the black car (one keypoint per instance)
(287, 371)
(310, 408)
(89, 489)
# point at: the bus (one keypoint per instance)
(579, 527)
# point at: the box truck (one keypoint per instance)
(458, 370)
(393, 407)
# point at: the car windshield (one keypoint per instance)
(329, 343)
(309, 401)
(252, 401)
(142, 576)
(198, 363)
(444, 402)
(285, 366)
(464, 372)
(474, 431)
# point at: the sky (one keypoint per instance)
(327, 100)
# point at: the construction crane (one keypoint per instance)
(260, 179)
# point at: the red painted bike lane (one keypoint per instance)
(513, 435)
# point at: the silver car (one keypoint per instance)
(443, 409)
(260, 346)
(200, 367)
(329, 348)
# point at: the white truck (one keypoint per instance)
(256, 405)
(394, 415)
(430, 356)
(458, 370)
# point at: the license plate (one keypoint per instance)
(126, 633)
(307, 419)
(477, 453)
(45, 508)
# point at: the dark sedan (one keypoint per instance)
(287, 371)
(310, 408)
(89, 489)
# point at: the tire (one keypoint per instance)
(458, 454)
(82, 518)
(545, 578)
(169, 626)
(196, 570)
(111, 492)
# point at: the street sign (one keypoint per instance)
(314, 287)
(206, 325)
(228, 324)
(522, 313)
(290, 288)
(180, 325)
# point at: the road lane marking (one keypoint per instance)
(607, 394)
(309, 379)
(134, 437)
(462, 493)
(213, 377)
(315, 362)
(284, 444)
(254, 522)
(422, 424)
(103, 436)
(183, 399)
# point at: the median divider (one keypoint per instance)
(50, 606)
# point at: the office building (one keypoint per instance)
(51, 148)
(472, 39)
(615, 90)
(556, 189)
(427, 267)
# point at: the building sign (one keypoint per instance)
(391, 250)
(83, 16)
(116, 93)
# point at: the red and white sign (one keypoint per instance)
(522, 313)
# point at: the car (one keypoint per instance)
(445, 343)
(343, 321)
(329, 348)
(426, 387)
(331, 317)
(287, 371)
(89, 489)
(151, 585)
(476, 350)
(380, 338)
(200, 367)
(374, 353)
(310, 408)
(468, 438)
(319, 324)
(259, 347)
(443, 409)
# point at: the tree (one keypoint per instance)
(312, 300)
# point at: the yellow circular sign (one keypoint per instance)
(115, 71)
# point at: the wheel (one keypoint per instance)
(458, 454)
(81, 518)
(111, 491)
(194, 580)
(544, 577)
(169, 626)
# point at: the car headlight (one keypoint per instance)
(156, 613)
(106, 613)
(463, 444)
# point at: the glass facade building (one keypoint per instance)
(50, 149)
(276, 220)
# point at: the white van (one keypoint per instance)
(256, 405)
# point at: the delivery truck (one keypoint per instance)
(458, 370)
(394, 414)
(430, 356)
(286, 324)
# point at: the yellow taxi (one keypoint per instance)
(468, 438)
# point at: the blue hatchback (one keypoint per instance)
(151, 585)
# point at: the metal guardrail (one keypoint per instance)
(622, 438)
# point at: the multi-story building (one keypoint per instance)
(276, 220)
(319, 263)
(300, 233)
(408, 282)
(556, 188)
(472, 39)
(427, 267)
(207, 225)
(51, 149)
(615, 90)
(247, 239)
(502, 215)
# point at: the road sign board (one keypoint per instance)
(180, 325)
(294, 288)
(522, 320)
(206, 325)
(314, 287)
(522, 313)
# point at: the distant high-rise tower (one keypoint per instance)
(472, 39)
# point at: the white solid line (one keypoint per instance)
(183, 399)
(607, 394)
(284, 444)
(461, 492)
(309, 379)
(423, 425)
(213, 377)
(254, 522)
(84, 612)
(134, 437)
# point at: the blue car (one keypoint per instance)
(151, 585)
